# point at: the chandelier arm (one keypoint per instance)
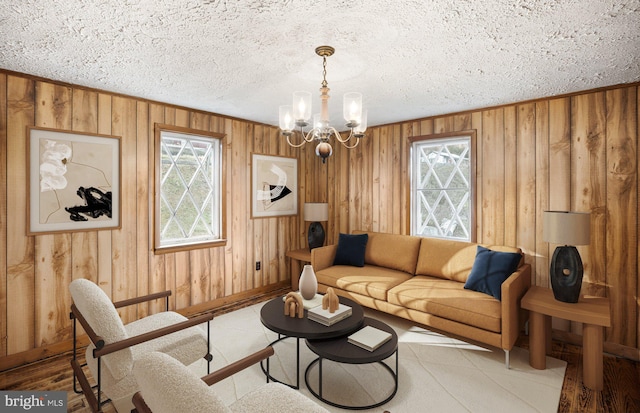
(350, 146)
(304, 140)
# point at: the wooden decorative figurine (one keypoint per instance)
(293, 305)
(330, 300)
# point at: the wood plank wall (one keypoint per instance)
(576, 152)
(35, 270)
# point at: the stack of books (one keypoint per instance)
(369, 338)
(322, 316)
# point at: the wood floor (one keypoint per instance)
(621, 382)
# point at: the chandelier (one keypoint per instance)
(298, 116)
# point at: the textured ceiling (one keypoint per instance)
(244, 58)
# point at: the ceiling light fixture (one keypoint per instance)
(299, 113)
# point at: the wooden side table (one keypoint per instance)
(297, 257)
(592, 312)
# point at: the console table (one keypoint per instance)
(297, 257)
(592, 312)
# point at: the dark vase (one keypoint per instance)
(566, 274)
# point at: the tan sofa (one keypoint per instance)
(422, 279)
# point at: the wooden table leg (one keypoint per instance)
(538, 326)
(592, 337)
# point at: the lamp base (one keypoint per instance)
(566, 274)
(316, 235)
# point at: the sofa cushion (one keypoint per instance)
(451, 260)
(448, 299)
(351, 249)
(398, 252)
(490, 270)
(369, 280)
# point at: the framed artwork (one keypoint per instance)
(73, 181)
(274, 189)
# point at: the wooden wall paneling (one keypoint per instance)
(20, 249)
(259, 251)
(375, 162)
(493, 178)
(526, 183)
(241, 211)
(3, 215)
(637, 267)
(476, 122)
(232, 164)
(511, 159)
(342, 211)
(157, 276)
(398, 150)
(409, 129)
(588, 164)
(104, 270)
(542, 183)
(622, 212)
(144, 201)
(462, 122)
(53, 252)
(366, 205)
(124, 283)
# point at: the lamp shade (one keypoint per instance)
(566, 227)
(316, 211)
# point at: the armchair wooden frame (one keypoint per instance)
(216, 376)
(102, 349)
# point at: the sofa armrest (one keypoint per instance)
(323, 257)
(512, 291)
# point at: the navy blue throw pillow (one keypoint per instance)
(351, 250)
(490, 270)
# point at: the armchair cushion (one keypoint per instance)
(98, 310)
(168, 386)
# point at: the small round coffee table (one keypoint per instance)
(341, 351)
(272, 316)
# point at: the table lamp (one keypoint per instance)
(565, 272)
(316, 212)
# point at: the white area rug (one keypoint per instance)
(436, 374)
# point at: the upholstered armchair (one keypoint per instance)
(167, 386)
(114, 347)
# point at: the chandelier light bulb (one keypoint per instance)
(301, 106)
(286, 118)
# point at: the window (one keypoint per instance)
(189, 189)
(442, 180)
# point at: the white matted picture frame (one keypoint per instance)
(274, 186)
(73, 181)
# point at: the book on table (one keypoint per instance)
(369, 338)
(322, 316)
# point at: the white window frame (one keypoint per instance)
(454, 228)
(215, 208)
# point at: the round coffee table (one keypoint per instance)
(272, 316)
(341, 351)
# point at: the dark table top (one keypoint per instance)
(340, 350)
(272, 316)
